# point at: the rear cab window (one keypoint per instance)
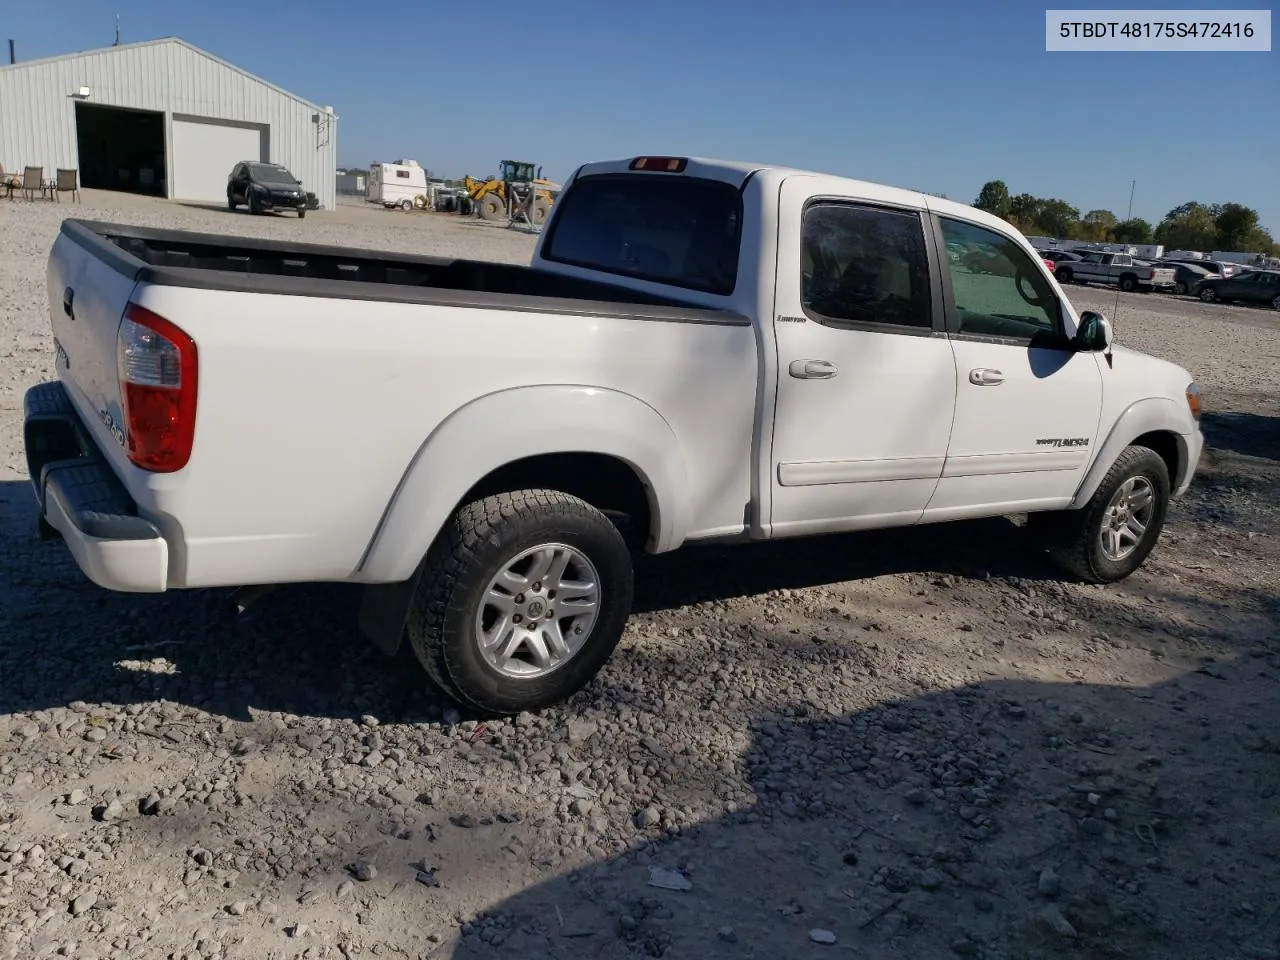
(677, 230)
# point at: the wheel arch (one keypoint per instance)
(623, 452)
(1157, 423)
(525, 435)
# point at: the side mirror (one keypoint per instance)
(1094, 333)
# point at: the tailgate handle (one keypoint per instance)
(68, 296)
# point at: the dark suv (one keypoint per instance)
(265, 186)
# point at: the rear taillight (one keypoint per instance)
(156, 364)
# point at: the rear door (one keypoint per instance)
(1027, 404)
(87, 299)
(866, 380)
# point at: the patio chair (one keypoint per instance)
(67, 182)
(8, 182)
(33, 180)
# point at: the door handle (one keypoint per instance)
(68, 299)
(812, 369)
(985, 377)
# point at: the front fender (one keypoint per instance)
(1154, 414)
(500, 428)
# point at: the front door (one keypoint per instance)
(1027, 403)
(866, 379)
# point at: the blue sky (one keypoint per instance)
(938, 96)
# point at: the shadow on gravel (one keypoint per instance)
(1248, 434)
(298, 651)
(921, 829)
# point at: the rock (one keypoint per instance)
(668, 879)
(345, 888)
(372, 759)
(95, 735)
(818, 935)
(1049, 884)
(916, 796)
(76, 797)
(108, 811)
(463, 820)
(149, 806)
(364, 871)
(238, 909)
(1055, 921)
(648, 817)
(84, 903)
(851, 858)
(727, 934)
(932, 879)
(203, 857)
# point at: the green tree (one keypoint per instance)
(1132, 231)
(1096, 226)
(1056, 218)
(1024, 210)
(994, 198)
(1191, 226)
(1237, 227)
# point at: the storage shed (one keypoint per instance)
(160, 117)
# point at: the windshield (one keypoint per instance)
(270, 173)
(682, 231)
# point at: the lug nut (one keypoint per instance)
(519, 598)
(517, 618)
(537, 586)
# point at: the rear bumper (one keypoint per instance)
(82, 500)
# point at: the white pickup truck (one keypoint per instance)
(700, 351)
(1119, 269)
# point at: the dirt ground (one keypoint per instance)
(920, 743)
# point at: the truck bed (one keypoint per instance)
(183, 258)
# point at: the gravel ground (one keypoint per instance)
(915, 744)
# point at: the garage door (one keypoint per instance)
(204, 153)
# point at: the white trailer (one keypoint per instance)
(397, 183)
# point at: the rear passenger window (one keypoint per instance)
(864, 265)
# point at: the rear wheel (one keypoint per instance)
(521, 600)
(406, 205)
(1128, 283)
(1111, 536)
(1180, 288)
(540, 210)
(1065, 275)
(1208, 294)
(1275, 302)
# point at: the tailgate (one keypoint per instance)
(87, 299)
(1163, 275)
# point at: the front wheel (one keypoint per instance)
(1208, 294)
(1111, 536)
(1180, 288)
(302, 212)
(1275, 302)
(521, 600)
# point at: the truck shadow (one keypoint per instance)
(920, 829)
(1248, 434)
(297, 650)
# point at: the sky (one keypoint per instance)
(936, 96)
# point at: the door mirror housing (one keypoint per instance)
(1094, 333)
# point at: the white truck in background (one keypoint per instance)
(396, 184)
(1127, 272)
(700, 352)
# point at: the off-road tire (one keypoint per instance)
(1073, 537)
(480, 539)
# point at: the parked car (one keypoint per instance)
(1116, 268)
(265, 186)
(1252, 286)
(1219, 268)
(699, 352)
(1059, 256)
(1187, 277)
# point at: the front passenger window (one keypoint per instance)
(999, 291)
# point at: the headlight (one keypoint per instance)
(1193, 400)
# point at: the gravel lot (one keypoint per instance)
(916, 744)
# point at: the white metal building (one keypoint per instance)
(159, 117)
